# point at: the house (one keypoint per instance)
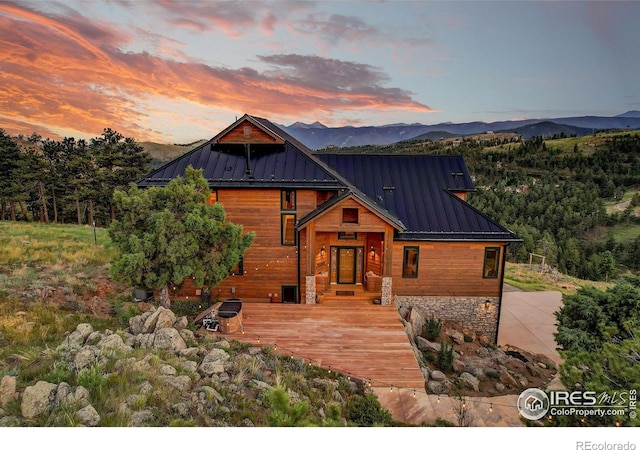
(394, 228)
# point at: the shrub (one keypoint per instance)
(432, 328)
(445, 357)
(468, 338)
(366, 411)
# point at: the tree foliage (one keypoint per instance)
(166, 234)
(69, 180)
(599, 338)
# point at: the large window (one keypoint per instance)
(288, 229)
(287, 200)
(410, 262)
(491, 261)
(213, 197)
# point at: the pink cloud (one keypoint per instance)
(69, 71)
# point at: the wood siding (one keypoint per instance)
(254, 135)
(268, 265)
(446, 268)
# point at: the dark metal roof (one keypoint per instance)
(270, 165)
(417, 189)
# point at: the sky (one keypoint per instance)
(180, 71)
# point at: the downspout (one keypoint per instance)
(503, 264)
(299, 293)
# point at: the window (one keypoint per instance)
(347, 236)
(238, 269)
(288, 200)
(288, 229)
(289, 294)
(350, 215)
(213, 197)
(491, 260)
(410, 262)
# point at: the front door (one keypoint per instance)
(346, 265)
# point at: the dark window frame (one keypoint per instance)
(487, 270)
(240, 266)
(282, 230)
(283, 194)
(405, 253)
(347, 235)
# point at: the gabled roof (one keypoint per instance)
(411, 192)
(418, 190)
(360, 198)
(280, 162)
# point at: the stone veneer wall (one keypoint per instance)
(468, 312)
(310, 290)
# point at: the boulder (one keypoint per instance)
(439, 387)
(426, 345)
(455, 336)
(85, 357)
(437, 375)
(470, 381)
(7, 390)
(88, 416)
(37, 399)
(181, 382)
(113, 342)
(169, 339)
(181, 323)
(78, 336)
(213, 362)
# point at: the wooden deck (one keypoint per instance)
(354, 337)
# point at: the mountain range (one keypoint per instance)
(317, 135)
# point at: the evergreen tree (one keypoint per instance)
(168, 234)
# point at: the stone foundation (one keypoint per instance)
(310, 290)
(469, 312)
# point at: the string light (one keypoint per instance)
(414, 393)
(490, 407)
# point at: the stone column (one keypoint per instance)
(386, 290)
(310, 290)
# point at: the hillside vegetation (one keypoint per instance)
(55, 289)
(573, 200)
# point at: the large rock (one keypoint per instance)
(160, 318)
(78, 336)
(85, 357)
(88, 416)
(470, 381)
(427, 346)
(113, 342)
(181, 382)
(455, 336)
(37, 399)
(439, 387)
(169, 339)
(7, 390)
(214, 362)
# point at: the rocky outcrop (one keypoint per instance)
(181, 376)
(486, 368)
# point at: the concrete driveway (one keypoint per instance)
(527, 321)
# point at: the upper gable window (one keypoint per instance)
(288, 200)
(247, 132)
(350, 215)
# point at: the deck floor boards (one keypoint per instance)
(360, 339)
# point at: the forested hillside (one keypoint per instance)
(572, 200)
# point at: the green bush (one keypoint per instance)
(445, 357)
(366, 411)
(432, 328)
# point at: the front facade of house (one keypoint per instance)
(396, 228)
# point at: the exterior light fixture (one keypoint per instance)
(487, 303)
(322, 251)
(373, 252)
